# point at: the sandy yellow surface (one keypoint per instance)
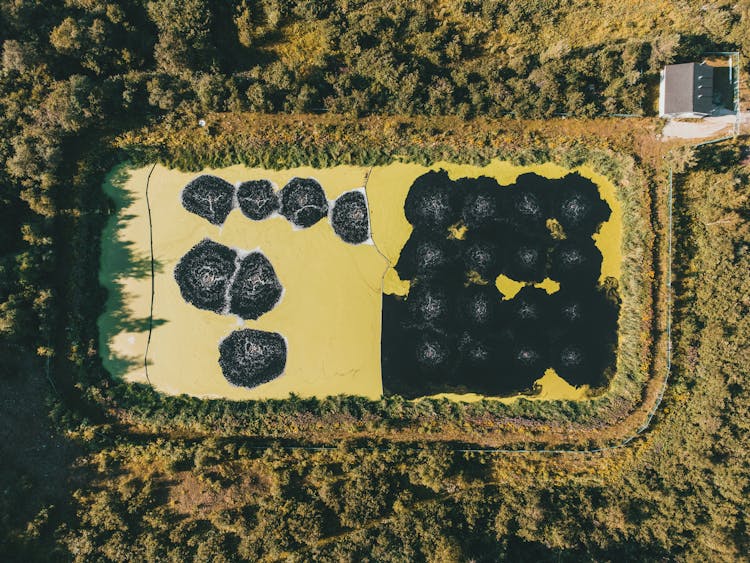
(508, 287)
(330, 312)
(549, 387)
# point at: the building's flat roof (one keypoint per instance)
(688, 88)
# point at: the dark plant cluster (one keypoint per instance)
(204, 275)
(209, 197)
(454, 330)
(255, 289)
(249, 358)
(350, 218)
(301, 201)
(257, 199)
(216, 278)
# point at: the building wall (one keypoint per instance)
(662, 92)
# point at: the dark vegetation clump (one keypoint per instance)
(429, 303)
(454, 332)
(249, 358)
(350, 219)
(529, 202)
(526, 260)
(478, 307)
(210, 197)
(528, 311)
(581, 358)
(572, 309)
(575, 261)
(480, 206)
(482, 256)
(528, 359)
(578, 207)
(432, 202)
(479, 355)
(211, 277)
(425, 256)
(432, 351)
(303, 202)
(257, 199)
(204, 273)
(255, 289)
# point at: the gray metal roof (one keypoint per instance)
(689, 88)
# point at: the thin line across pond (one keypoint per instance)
(153, 275)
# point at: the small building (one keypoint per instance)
(686, 90)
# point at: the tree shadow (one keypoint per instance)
(120, 262)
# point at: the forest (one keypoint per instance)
(94, 470)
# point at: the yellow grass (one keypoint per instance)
(330, 312)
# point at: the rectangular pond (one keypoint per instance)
(331, 306)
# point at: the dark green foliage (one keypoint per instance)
(255, 289)
(350, 218)
(249, 357)
(425, 256)
(578, 207)
(209, 197)
(456, 333)
(303, 202)
(575, 261)
(204, 275)
(257, 199)
(432, 202)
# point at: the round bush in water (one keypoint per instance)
(255, 289)
(580, 360)
(303, 202)
(478, 305)
(424, 255)
(480, 205)
(483, 257)
(529, 309)
(572, 310)
(432, 351)
(578, 207)
(210, 197)
(583, 309)
(529, 200)
(479, 355)
(428, 303)
(349, 217)
(204, 273)
(526, 261)
(257, 199)
(431, 202)
(576, 261)
(249, 357)
(528, 360)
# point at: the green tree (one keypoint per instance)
(185, 43)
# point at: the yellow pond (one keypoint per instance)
(330, 312)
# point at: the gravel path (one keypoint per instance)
(706, 127)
